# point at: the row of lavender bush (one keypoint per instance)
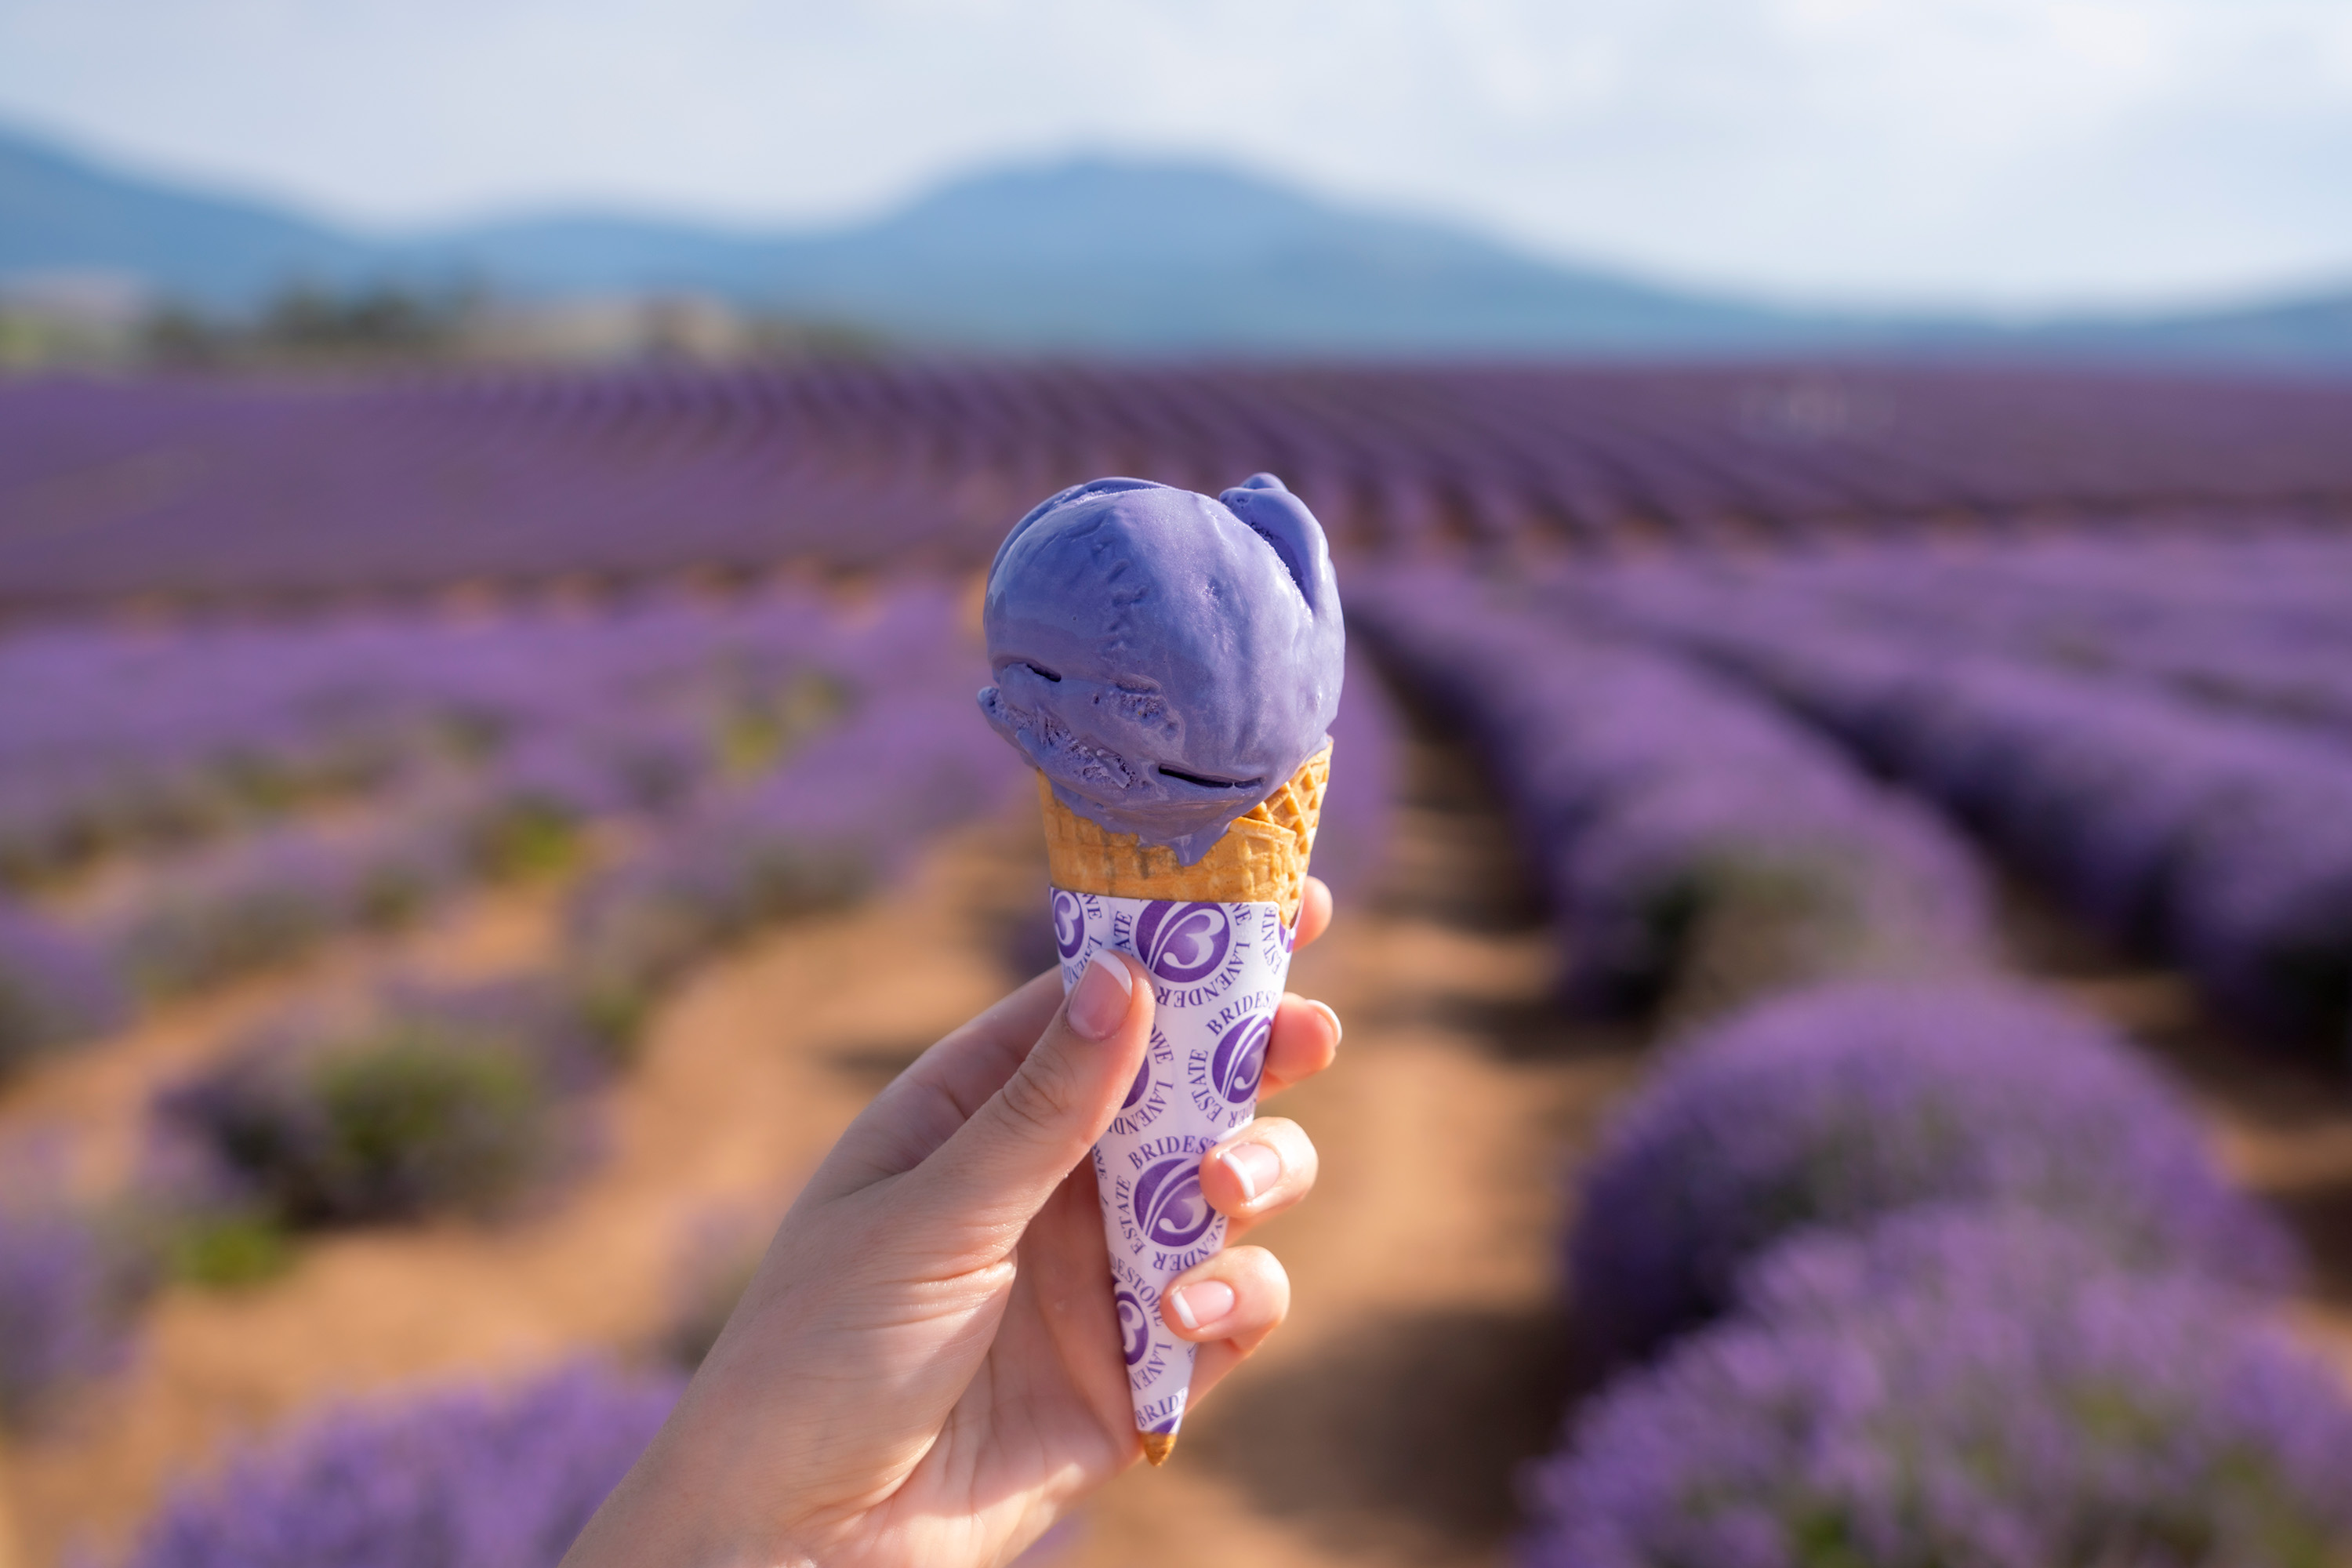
(70, 1284)
(2257, 621)
(1689, 837)
(116, 737)
(462, 1476)
(1930, 1276)
(293, 488)
(2220, 839)
(640, 716)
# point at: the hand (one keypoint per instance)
(927, 1368)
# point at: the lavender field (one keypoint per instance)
(323, 485)
(1845, 886)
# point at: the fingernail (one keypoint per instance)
(1255, 1166)
(1202, 1303)
(1098, 1001)
(1338, 1034)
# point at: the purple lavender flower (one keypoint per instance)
(2213, 834)
(842, 815)
(65, 1290)
(53, 990)
(1661, 805)
(246, 906)
(1964, 1388)
(458, 1477)
(1836, 1106)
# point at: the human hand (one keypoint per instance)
(927, 1368)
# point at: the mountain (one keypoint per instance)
(62, 213)
(1091, 254)
(1083, 255)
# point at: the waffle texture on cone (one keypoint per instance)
(1261, 860)
(1157, 1446)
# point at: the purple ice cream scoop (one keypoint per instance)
(1166, 660)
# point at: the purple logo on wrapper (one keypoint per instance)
(1069, 924)
(1153, 1091)
(1168, 1205)
(1134, 1326)
(1240, 1057)
(1181, 943)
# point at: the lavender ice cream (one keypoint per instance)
(1166, 660)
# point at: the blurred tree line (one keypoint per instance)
(306, 324)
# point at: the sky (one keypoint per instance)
(2010, 156)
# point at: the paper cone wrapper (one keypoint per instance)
(1216, 938)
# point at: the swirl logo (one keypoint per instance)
(1135, 1090)
(1182, 942)
(1134, 1327)
(1240, 1057)
(1069, 924)
(1168, 1205)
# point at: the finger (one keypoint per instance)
(1314, 913)
(938, 1093)
(1258, 1171)
(967, 1204)
(1304, 1039)
(1235, 1299)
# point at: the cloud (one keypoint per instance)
(2010, 152)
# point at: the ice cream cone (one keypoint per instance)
(1216, 939)
(1261, 860)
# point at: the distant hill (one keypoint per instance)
(1087, 255)
(59, 213)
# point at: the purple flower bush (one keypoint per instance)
(2254, 622)
(116, 740)
(54, 989)
(67, 1290)
(841, 816)
(1960, 1387)
(259, 903)
(459, 1477)
(1837, 1106)
(1670, 814)
(525, 735)
(427, 1102)
(2216, 837)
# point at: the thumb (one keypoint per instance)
(979, 1190)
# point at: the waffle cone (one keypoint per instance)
(1261, 860)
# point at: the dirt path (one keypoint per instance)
(1422, 1360)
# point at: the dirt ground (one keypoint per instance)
(1424, 1359)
